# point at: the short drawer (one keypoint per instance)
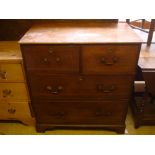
(14, 110)
(13, 91)
(11, 73)
(54, 58)
(72, 86)
(110, 59)
(108, 112)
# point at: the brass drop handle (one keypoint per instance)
(61, 113)
(6, 92)
(49, 88)
(58, 114)
(57, 59)
(11, 110)
(54, 90)
(109, 61)
(105, 89)
(103, 113)
(2, 74)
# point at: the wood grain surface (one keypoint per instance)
(63, 33)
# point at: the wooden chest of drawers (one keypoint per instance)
(14, 101)
(80, 76)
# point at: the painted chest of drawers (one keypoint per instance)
(14, 101)
(80, 75)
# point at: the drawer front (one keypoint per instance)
(13, 110)
(13, 91)
(110, 59)
(71, 86)
(80, 112)
(54, 58)
(11, 73)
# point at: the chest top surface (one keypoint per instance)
(73, 33)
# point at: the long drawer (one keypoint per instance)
(54, 58)
(11, 73)
(67, 112)
(14, 110)
(13, 91)
(109, 59)
(74, 86)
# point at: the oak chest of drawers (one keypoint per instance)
(80, 75)
(14, 100)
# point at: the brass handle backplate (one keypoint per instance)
(58, 114)
(109, 60)
(106, 89)
(103, 113)
(54, 90)
(46, 60)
